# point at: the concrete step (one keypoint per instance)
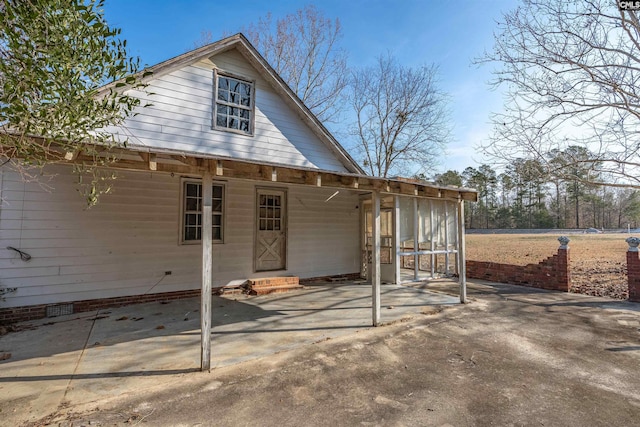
(229, 290)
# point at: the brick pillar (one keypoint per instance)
(633, 269)
(563, 266)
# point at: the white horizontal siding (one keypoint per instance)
(180, 118)
(323, 235)
(124, 245)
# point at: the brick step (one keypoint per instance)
(274, 282)
(274, 289)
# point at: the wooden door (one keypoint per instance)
(271, 230)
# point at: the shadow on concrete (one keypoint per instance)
(165, 329)
(628, 348)
(99, 375)
(48, 337)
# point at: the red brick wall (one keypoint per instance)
(552, 273)
(633, 275)
(31, 312)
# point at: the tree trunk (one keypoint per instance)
(575, 194)
(558, 204)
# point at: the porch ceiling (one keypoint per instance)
(187, 163)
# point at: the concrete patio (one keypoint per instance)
(85, 357)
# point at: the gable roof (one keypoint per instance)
(246, 49)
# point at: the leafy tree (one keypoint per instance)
(559, 205)
(488, 180)
(506, 186)
(484, 180)
(575, 165)
(470, 214)
(402, 118)
(522, 197)
(55, 54)
(504, 212)
(450, 177)
(629, 207)
(570, 69)
(533, 179)
(503, 217)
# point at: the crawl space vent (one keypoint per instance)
(59, 310)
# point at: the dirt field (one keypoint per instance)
(598, 261)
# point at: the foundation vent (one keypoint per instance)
(59, 310)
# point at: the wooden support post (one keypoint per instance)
(462, 268)
(150, 159)
(433, 237)
(397, 260)
(207, 261)
(416, 242)
(153, 162)
(375, 273)
(446, 238)
(457, 264)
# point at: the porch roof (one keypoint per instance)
(190, 163)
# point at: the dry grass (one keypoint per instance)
(598, 261)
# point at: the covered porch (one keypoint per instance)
(95, 355)
(426, 221)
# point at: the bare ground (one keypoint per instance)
(598, 261)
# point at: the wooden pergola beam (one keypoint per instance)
(195, 165)
(151, 160)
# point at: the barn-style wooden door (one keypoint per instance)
(271, 230)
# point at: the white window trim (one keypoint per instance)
(183, 183)
(252, 108)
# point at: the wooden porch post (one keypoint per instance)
(433, 241)
(397, 260)
(446, 238)
(462, 268)
(375, 273)
(207, 261)
(416, 239)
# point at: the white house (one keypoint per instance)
(225, 135)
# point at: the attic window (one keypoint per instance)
(234, 101)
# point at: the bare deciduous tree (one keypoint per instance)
(571, 70)
(303, 49)
(402, 117)
(206, 37)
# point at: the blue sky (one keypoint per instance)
(449, 34)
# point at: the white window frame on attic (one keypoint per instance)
(232, 111)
